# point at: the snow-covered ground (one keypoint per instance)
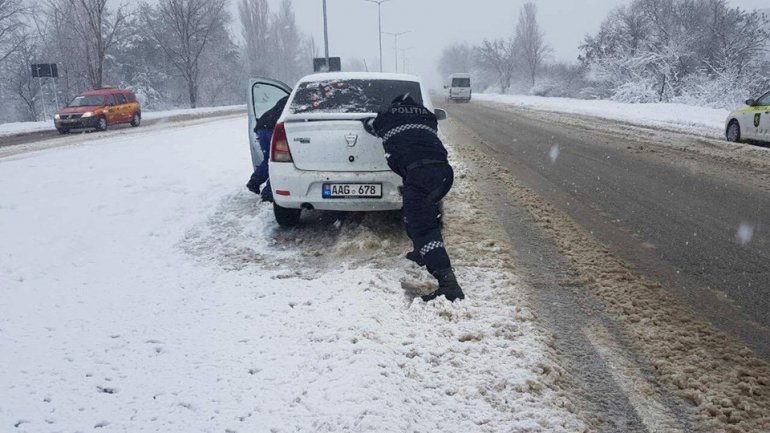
(142, 288)
(15, 128)
(678, 117)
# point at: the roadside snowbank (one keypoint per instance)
(15, 128)
(708, 122)
(144, 289)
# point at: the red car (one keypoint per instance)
(98, 109)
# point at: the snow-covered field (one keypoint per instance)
(142, 288)
(15, 128)
(678, 117)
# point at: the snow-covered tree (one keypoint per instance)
(456, 58)
(95, 26)
(664, 50)
(182, 28)
(10, 25)
(255, 21)
(23, 91)
(497, 57)
(285, 44)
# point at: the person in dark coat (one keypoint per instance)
(409, 133)
(264, 130)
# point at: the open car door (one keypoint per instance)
(264, 93)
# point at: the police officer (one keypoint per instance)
(414, 152)
(264, 130)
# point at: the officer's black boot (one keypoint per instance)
(447, 286)
(416, 257)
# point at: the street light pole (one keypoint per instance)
(379, 18)
(326, 37)
(395, 36)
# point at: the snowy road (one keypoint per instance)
(648, 255)
(688, 220)
(142, 288)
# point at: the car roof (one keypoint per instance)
(460, 75)
(359, 76)
(104, 92)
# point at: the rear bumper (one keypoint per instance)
(305, 189)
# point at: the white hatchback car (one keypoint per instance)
(321, 156)
(751, 122)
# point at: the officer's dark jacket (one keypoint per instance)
(271, 116)
(409, 133)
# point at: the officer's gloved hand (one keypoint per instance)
(369, 126)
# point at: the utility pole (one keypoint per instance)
(379, 17)
(395, 36)
(326, 37)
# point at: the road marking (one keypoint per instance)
(642, 394)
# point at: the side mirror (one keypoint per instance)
(446, 87)
(441, 114)
(751, 102)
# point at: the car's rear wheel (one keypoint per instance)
(63, 131)
(286, 217)
(101, 124)
(734, 131)
(136, 120)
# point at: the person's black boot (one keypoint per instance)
(416, 257)
(447, 286)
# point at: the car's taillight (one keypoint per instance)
(279, 147)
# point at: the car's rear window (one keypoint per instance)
(87, 101)
(461, 82)
(351, 96)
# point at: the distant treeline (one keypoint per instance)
(692, 51)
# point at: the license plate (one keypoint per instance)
(352, 190)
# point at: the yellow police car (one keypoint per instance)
(751, 122)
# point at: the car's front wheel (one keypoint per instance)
(734, 132)
(101, 124)
(136, 120)
(63, 131)
(286, 217)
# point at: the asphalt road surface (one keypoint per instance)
(693, 222)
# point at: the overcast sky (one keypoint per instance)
(434, 24)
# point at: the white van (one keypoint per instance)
(460, 87)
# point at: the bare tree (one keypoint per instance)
(286, 44)
(310, 49)
(530, 41)
(19, 79)
(255, 20)
(182, 29)
(497, 57)
(10, 24)
(456, 58)
(96, 27)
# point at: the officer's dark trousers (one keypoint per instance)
(424, 187)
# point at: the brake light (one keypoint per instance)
(279, 147)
